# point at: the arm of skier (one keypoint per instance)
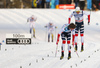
(58, 36)
(88, 17)
(69, 19)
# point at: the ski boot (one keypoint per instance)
(62, 56)
(82, 49)
(69, 55)
(75, 47)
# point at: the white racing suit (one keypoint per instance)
(32, 21)
(50, 29)
(79, 24)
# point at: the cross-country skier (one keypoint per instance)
(32, 21)
(78, 14)
(51, 27)
(65, 33)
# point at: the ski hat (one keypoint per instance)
(32, 16)
(77, 9)
(51, 22)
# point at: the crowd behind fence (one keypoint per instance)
(52, 4)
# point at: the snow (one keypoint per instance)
(41, 54)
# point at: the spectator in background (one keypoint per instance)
(39, 3)
(34, 4)
(89, 4)
(52, 4)
(98, 3)
(48, 3)
(94, 5)
(69, 1)
(42, 3)
(82, 4)
(76, 3)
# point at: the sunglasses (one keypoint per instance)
(77, 11)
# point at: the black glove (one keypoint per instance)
(45, 26)
(55, 27)
(88, 23)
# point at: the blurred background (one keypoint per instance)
(51, 4)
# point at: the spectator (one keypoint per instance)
(82, 4)
(76, 3)
(38, 3)
(94, 5)
(42, 3)
(69, 1)
(52, 4)
(98, 2)
(48, 3)
(89, 4)
(34, 4)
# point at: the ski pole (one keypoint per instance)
(56, 50)
(55, 34)
(45, 34)
(76, 51)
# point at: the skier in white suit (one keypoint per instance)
(32, 21)
(51, 27)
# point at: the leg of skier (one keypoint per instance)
(68, 43)
(34, 32)
(63, 44)
(30, 30)
(52, 37)
(48, 37)
(33, 27)
(63, 49)
(69, 50)
(82, 36)
(82, 42)
(76, 35)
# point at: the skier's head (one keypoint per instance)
(32, 16)
(72, 26)
(77, 10)
(50, 23)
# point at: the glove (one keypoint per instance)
(45, 26)
(56, 43)
(55, 27)
(88, 23)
